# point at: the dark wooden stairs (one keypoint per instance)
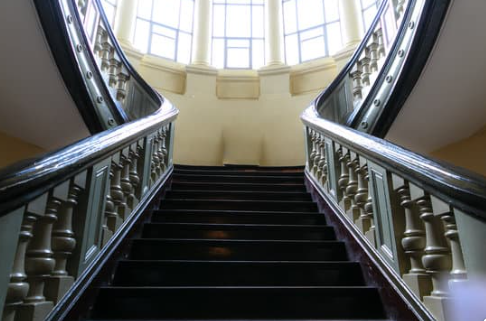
(237, 244)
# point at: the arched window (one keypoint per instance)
(368, 11)
(311, 28)
(109, 6)
(164, 28)
(238, 34)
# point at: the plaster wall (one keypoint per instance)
(14, 149)
(238, 116)
(468, 153)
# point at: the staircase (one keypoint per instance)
(237, 243)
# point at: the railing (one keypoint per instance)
(59, 214)
(106, 88)
(391, 55)
(423, 220)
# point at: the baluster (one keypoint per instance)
(400, 9)
(126, 183)
(155, 160)
(63, 244)
(413, 243)
(39, 264)
(121, 84)
(458, 272)
(115, 65)
(364, 61)
(317, 157)
(18, 288)
(322, 162)
(134, 177)
(105, 52)
(114, 199)
(352, 187)
(355, 75)
(436, 259)
(373, 49)
(98, 46)
(312, 156)
(343, 178)
(368, 208)
(163, 150)
(381, 44)
(361, 198)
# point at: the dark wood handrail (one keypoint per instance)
(461, 188)
(23, 182)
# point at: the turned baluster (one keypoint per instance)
(98, 46)
(18, 288)
(436, 259)
(458, 272)
(343, 179)
(312, 156)
(355, 75)
(317, 157)
(116, 193)
(322, 165)
(115, 65)
(364, 61)
(352, 187)
(134, 177)
(400, 8)
(373, 50)
(105, 52)
(121, 85)
(381, 44)
(163, 149)
(126, 183)
(413, 244)
(361, 198)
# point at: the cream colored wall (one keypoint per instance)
(469, 153)
(238, 117)
(13, 150)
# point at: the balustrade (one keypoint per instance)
(415, 225)
(45, 264)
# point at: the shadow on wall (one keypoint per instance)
(14, 150)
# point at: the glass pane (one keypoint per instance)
(258, 54)
(258, 22)
(292, 49)
(238, 58)
(313, 48)
(218, 53)
(331, 8)
(238, 21)
(167, 12)
(310, 13)
(187, 15)
(141, 36)
(334, 39)
(161, 30)
(218, 21)
(244, 43)
(163, 46)
(316, 32)
(144, 9)
(367, 3)
(290, 18)
(239, 1)
(184, 48)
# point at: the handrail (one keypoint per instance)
(363, 95)
(62, 214)
(106, 88)
(402, 208)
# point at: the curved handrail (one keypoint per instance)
(106, 88)
(461, 188)
(22, 182)
(363, 95)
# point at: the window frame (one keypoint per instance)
(298, 32)
(376, 4)
(152, 23)
(114, 5)
(226, 39)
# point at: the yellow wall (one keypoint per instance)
(469, 153)
(13, 150)
(238, 117)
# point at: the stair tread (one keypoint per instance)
(259, 226)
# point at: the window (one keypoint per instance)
(368, 11)
(164, 28)
(311, 29)
(109, 6)
(238, 34)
